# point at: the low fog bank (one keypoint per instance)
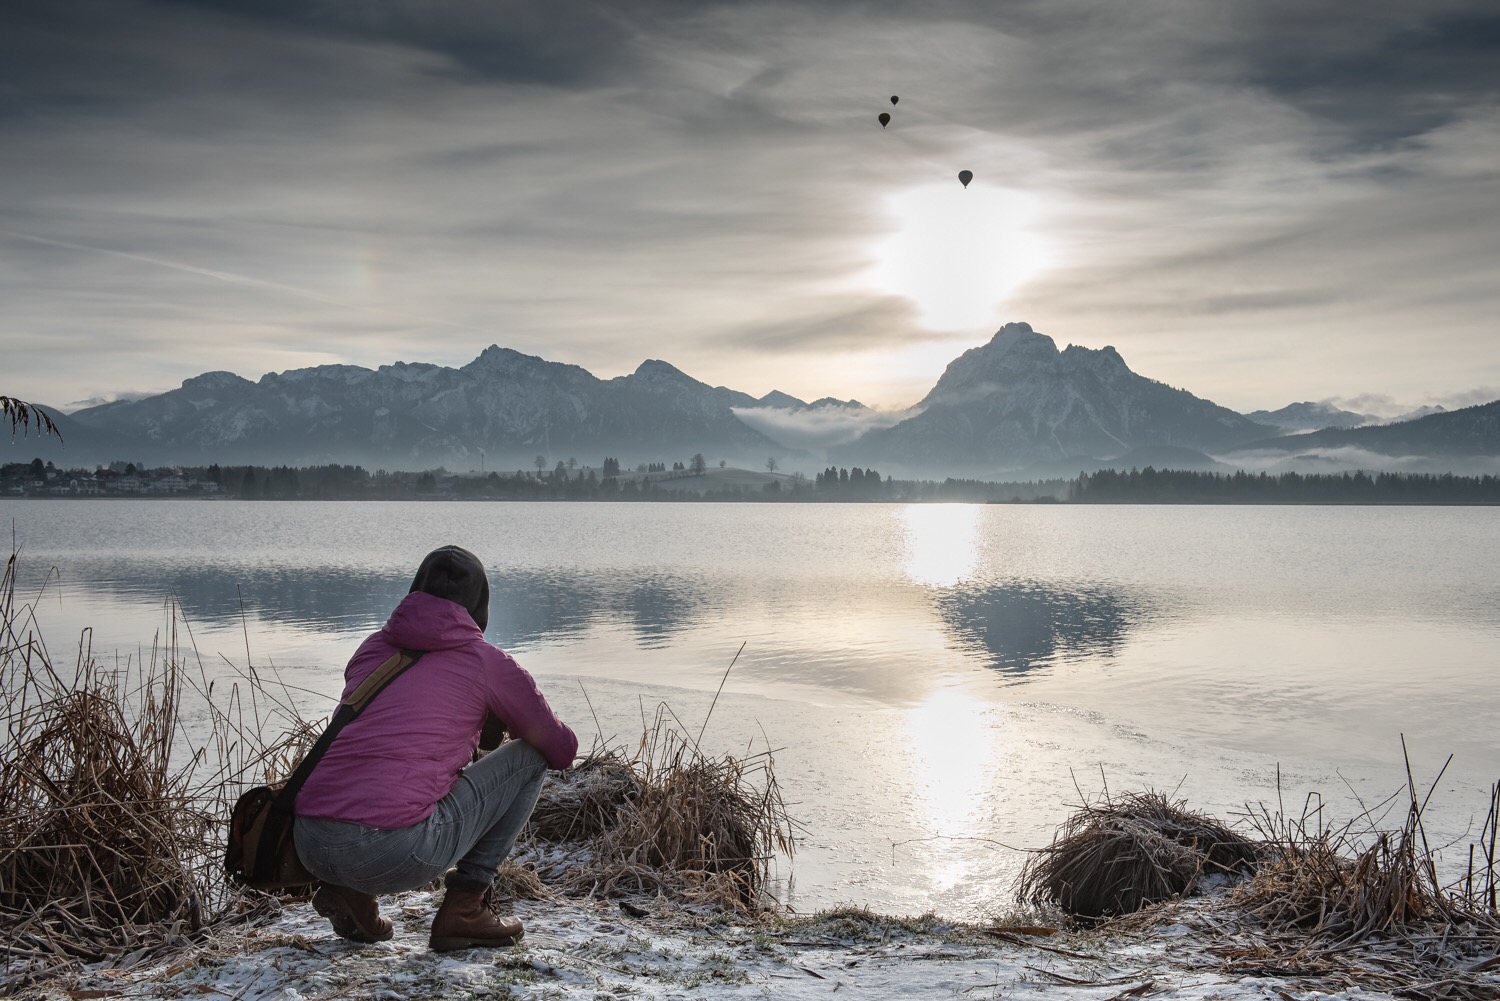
(100, 400)
(1386, 409)
(1349, 459)
(1324, 460)
(818, 428)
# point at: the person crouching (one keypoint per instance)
(399, 799)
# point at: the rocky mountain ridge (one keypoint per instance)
(1014, 406)
(502, 410)
(1018, 401)
(1311, 416)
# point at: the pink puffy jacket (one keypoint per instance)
(391, 765)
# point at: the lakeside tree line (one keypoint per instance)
(659, 481)
(684, 481)
(664, 482)
(1178, 486)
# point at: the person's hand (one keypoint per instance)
(492, 734)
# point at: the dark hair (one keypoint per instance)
(456, 574)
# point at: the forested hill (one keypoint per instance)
(1472, 431)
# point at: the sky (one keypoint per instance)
(1260, 201)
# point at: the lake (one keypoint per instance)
(941, 683)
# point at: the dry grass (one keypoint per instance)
(1330, 886)
(111, 817)
(1116, 856)
(1334, 908)
(668, 820)
(1349, 884)
(514, 881)
(1359, 906)
(113, 829)
(586, 800)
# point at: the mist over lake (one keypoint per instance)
(938, 681)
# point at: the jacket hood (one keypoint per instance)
(456, 574)
(424, 621)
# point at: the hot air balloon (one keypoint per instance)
(885, 119)
(965, 176)
(894, 99)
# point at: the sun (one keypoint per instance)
(957, 253)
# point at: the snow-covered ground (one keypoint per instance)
(596, 950)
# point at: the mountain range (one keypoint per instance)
(1471, 432)
(503, 406)
(1317, 416)
(1015, 406)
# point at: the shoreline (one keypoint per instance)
(600, 949)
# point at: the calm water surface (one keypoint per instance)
(941, 683)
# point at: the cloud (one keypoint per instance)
(1380, 404)
(837, 323)
(564, 43)
(1273, 201)
(1470, 398)
(1349, 459)
(1401, 72)
(817, 428)
(1387, 406)
(94, 401)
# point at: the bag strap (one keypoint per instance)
(378, 679)
(349, 708)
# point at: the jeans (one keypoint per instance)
(474, 827)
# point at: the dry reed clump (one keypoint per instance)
(1119, 855)
(1366, 908)
(586, 800)
(1337, 886)
(1325, 888)
(669, 821)
(1334, 908)
(97, 834)
(110, 819)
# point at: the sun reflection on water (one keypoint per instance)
(941, 542)
(954, 757)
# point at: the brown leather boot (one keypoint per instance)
(467, 920)
(354, 915)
